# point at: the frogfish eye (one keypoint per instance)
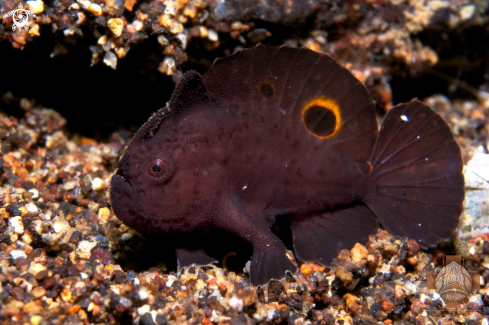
(157, 167)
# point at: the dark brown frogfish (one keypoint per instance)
(283, 132)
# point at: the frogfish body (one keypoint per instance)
(269, 133)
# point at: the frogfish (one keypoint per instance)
(280, 132)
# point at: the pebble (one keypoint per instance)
(56, 140)
(176, 27)
(203, 32)
(36, 320)
(31, 207)
(38, 292)
(70, 185)
(35, 193)
(84, 3)
(36, 7)
(146, 319)
(104, 214)
(110, 59)
(163, 40)
(102, 40)
(16, 225)
(143, 293)
(95, 9)
(236, 304)
(116, 26)
(126, 236)
(35, 268)
(86, 246)
(359, 254)
(18, 254)
(138, 25)
(212, 35)
(98, 184)
(467, 12)
(165, 20)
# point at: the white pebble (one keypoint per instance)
(95, 9)
(93, 206)
(176, 27)
(35, 193)
(16, 225)
(59, 226)
(171, 279)
(35, 268)
(70, 185)
(98, 184)
(26, 238)
(212, 35)
(36, 7)
(183, 40)
(271, 315)
(169, 61)
(68, 32)
(163, 40)
(31, 207)
(143, 293)
(170, 9)
(17, 253)
(110, 59)
(143, 310)
(84, 3)
(467, 12)
(236, 304)
(86, 246)
(126, 236)
(138, 25)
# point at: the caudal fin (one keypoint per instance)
(416, 187)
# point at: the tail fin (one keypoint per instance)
(416, 187)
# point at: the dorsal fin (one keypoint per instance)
(298, 89)
(188, 92)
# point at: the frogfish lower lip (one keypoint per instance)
(120, 184)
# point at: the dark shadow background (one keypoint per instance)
(99, 100)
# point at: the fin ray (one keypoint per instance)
(416, 186)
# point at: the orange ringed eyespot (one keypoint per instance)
(322, 117)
